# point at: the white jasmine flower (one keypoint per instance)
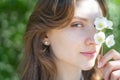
(110, 24)
(110, 41)
(99, 37)
(101, 23)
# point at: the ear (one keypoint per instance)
(46, 40)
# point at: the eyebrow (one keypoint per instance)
(80, 18)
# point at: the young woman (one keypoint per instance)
(59, 43)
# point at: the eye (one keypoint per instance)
(78, 24)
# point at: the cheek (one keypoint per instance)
(74, 37)
(67, 42)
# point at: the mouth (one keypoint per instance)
(89, 54)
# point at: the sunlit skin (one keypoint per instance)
(71, 42)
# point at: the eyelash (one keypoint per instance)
(79, 25)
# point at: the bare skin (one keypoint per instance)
(110, 68)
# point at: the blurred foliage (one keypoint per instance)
(114, 15)
(116, 1)
(13, 18)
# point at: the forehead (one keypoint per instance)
(88, 9)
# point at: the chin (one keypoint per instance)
(88, 66)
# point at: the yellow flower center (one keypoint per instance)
(100, 39)
(100, 25)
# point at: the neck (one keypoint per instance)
(67, 71)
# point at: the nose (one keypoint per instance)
(90, 42)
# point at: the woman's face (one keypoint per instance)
(74, 45)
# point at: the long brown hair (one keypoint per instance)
(48, 14)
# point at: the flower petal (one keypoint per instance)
(110, 41)
(100, 23)
(110, 24)
(99, 37)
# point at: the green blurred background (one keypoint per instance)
(14, 15)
